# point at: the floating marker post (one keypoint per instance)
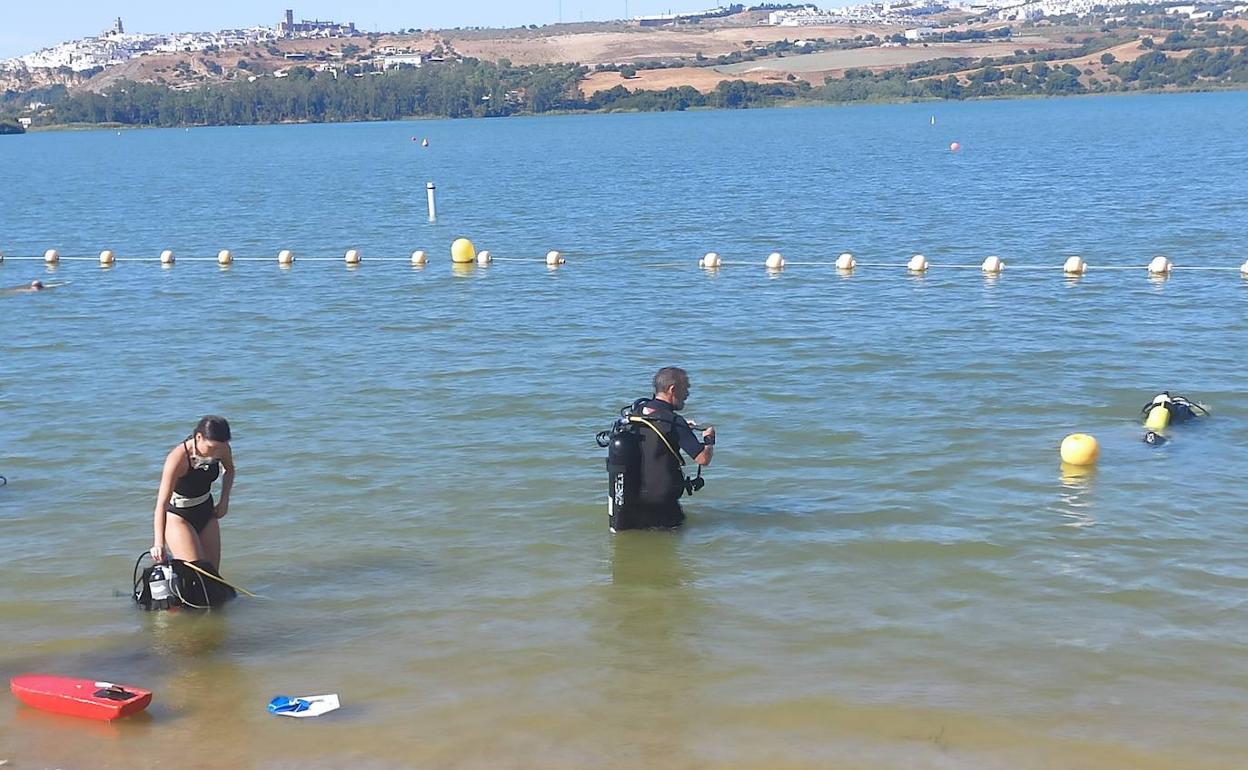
(433, 209)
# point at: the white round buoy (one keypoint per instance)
(917, 264)
(554, 259)
(285, 257)
(166, 257)
(224, 257)
(106, 258)
(1075, 266)
(1243, 269)
(419, 258)
(352, 257)
(711, 261)
(775, 261)
(846, 262)
(992, 265)
(1160, 266)
(484, 258)
(51, 257)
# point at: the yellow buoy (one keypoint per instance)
(51, 257)
(463, 252)
(224, 257)
(166, 257)
(419, 258)
(106, 258)
(1080, 449)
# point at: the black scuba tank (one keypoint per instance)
(170, 585)
(623, 473)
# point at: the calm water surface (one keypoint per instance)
(888, 568)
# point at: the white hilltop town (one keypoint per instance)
(908, 11)
(116, 46)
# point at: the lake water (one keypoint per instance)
(888, 567)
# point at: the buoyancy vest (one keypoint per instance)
(662, 476)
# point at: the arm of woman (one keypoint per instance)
(227, 483)
(169, 475)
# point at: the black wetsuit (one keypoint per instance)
(662, 477)
(197, 482)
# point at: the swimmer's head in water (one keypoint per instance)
(36, 285)
(1154, 438)
(211, 436)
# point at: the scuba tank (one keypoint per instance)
(155, 589)
(1165, 409)
(623, 445)
(173, 584)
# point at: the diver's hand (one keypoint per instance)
(158, 553)
(708, 435)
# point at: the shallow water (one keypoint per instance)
(888, 568)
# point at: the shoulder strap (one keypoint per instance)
(643, 421)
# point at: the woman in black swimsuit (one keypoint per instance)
(186, 516)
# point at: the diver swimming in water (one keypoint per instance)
(1165, 409)
(645, 470)
(33, 286)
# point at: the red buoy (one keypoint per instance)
(954, 147)
(79, 697)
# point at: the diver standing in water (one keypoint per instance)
(645, 475)
(186, 516)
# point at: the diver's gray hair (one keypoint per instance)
(669, 376)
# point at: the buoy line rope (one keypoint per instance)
(257, 259)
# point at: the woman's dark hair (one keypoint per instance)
(213, 428)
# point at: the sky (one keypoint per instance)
(27, 26)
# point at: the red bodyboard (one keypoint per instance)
(85, 698)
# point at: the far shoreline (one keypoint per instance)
(783, 104)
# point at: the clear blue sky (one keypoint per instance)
(28, 25)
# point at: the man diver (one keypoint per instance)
(655, 435)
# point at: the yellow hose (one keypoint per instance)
(223, 581)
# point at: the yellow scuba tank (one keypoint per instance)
(1158, 417)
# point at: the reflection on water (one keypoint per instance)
(648, 629)
(1075, 503)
